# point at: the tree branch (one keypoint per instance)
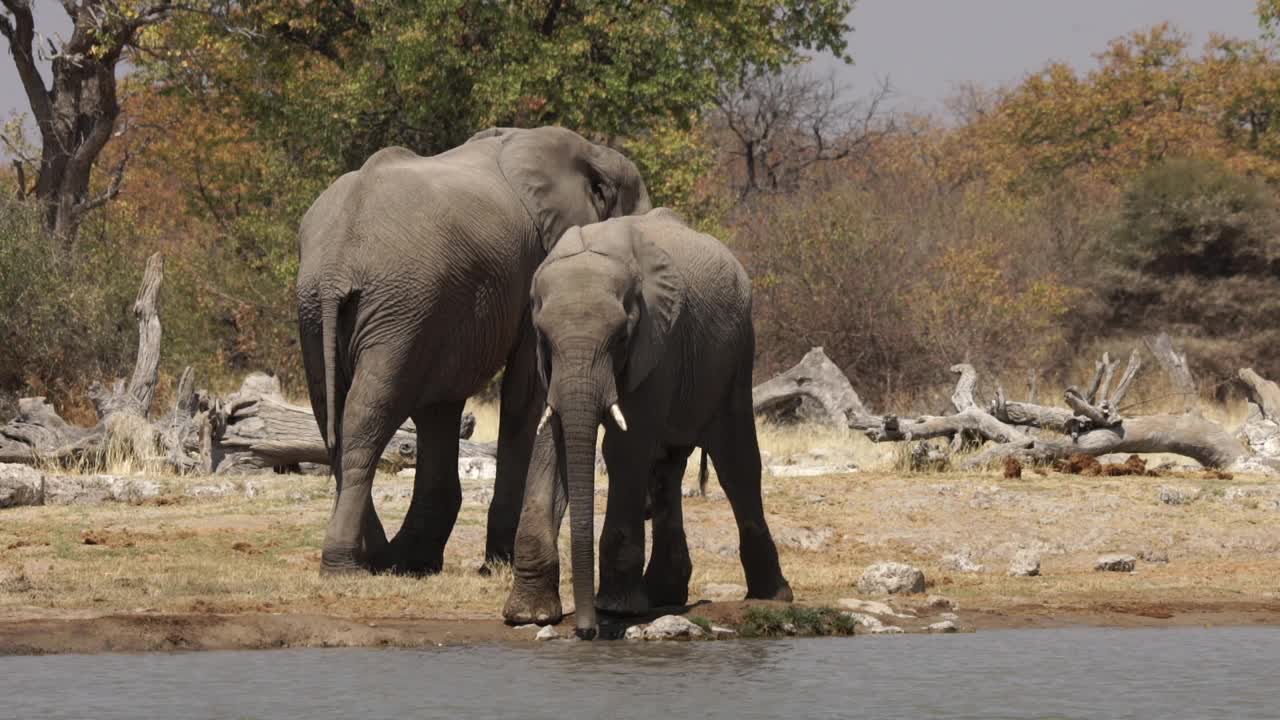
(21, 36)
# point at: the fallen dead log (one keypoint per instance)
(1092, 423)
(1204, 441)
(815, 390)
(38, 433)
(252, 430)
(260, 429)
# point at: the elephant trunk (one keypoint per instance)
(581, 389)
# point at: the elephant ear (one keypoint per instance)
(559, 177)
(662, 291)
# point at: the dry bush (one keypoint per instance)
(899, 278)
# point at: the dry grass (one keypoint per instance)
(237, 554)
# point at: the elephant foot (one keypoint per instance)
(341, 561)
(413, 557)
(623, 598)
(530, 604)
(781, 590)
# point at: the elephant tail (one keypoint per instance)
(702, 473)
(329, 304)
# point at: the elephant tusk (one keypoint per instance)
(616, 412)
(546, 415)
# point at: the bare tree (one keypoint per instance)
(784, 124)
(78, 114)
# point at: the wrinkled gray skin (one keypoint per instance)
(649, 314)
(413, 291)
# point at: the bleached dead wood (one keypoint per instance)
(136, 397)
(814, 390)
(39, 433)
(1092, 422)
(1263, 393)
(253, 429)
(1175, 366)
(1188, 435)
(262, 430)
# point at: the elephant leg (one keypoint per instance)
(373, 537)
(667, 577)
(622, 587)
(354, 537)
(521, 407)
(733, 448)
(418, 548)
(535, 587)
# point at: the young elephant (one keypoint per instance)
(647, 323)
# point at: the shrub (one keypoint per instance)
(1191, 216)
(67, 311)
(769, 621)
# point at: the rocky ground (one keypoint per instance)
(92, 563)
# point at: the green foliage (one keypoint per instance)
(770, 621)
(331, 87)
(1195, 251)
(701, 622)
(1197, 217)
(67, 318)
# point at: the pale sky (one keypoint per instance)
(927, 47)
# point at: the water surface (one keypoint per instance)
(1069, 673)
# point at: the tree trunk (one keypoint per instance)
(77, 115)
(256, 428)
(814, 390)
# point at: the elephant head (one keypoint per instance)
(563, 179)
(605, 306)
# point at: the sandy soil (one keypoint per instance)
(239, 570)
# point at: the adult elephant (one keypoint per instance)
(644, 325)
(413, 291)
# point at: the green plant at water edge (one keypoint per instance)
(764, 621)
(701, 622)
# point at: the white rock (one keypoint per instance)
(94, 489)
(1025, 563)
(547, 633)
(635, 632)
(20, 485)
(887, 630)
(949, 616)
(724, 591)
(870, 606)
(723, 632)
(946, 626)
(1115, 563)
(527, 626)
(870, 622)
(890, 578)
(667, 627)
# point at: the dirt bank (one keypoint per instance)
(239, 570)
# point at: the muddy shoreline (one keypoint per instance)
(237, 570)
(75, 633)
